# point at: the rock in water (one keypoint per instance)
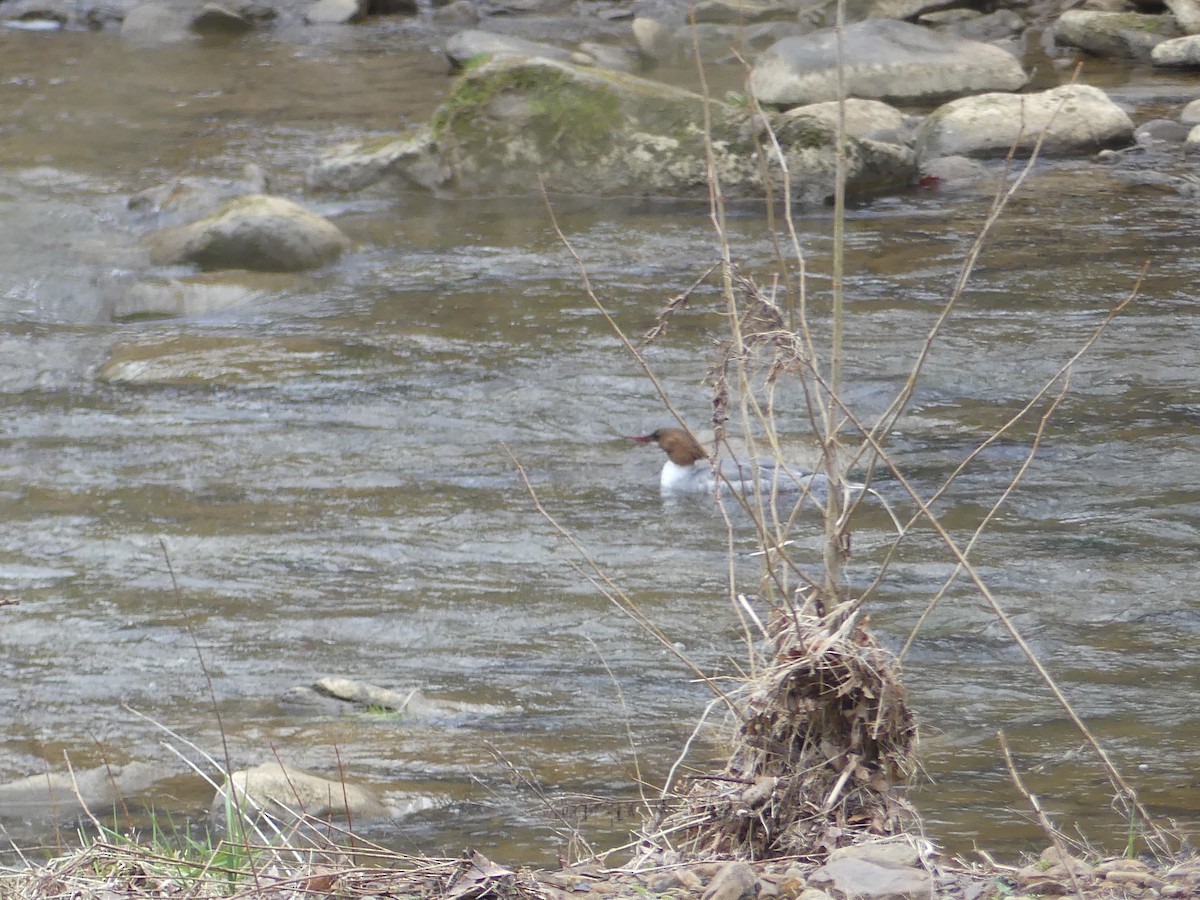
(1077, 120)
(884, 60)
(1121, 35)
(285, 793)
(258, 232)
(511, 121)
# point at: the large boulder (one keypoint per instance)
(823, 13)
(1187, 14)
(154, 24)
(882, 60)
(1123, 35)
(1076, 120)
(256, 232)
(336, 12)
(511, 121)
(999, 25)
(713, 41)
(160, 22)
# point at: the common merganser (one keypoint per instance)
(687, 469)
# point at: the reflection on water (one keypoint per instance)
(336, 498)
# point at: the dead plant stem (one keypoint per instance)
(614, 594)
(628, 717)
(600, 307)
(886, 422)
(1037, 397)
(1035, 804)
(983, 524)
(1125, 793)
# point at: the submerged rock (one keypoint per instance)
(196, 360)
(408, 161)
(883, 60)
(410, 704)
(190, 197)
(39, 15)
(257, 232)
(197, 295)
(64, 796)
(953, 171)
(287, 793)
(1076, 120)
(1161, 131)
(214, 18)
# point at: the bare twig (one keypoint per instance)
(1036, 805)
(614, 594)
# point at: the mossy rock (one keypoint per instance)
(1122, 35)
(511, 121)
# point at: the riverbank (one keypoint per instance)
(888, 870)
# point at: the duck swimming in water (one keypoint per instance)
(688, 470)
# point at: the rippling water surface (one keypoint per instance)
(337, 495)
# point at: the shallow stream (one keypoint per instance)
(343, 502)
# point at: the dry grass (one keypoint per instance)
(122, 871)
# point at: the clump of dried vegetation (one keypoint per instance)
(825, 741)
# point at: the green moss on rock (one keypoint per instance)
(564, 114)
(515, 120)
(1164, 25)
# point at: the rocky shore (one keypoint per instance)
(565, 97)
(897, 869)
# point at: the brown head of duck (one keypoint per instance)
(681, 448)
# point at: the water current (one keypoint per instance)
(327, 464)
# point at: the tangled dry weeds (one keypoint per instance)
(826, 739)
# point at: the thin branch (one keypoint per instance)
(983, 524)
(615, 595)
(1035, 804)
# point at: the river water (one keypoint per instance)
(327, 464)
